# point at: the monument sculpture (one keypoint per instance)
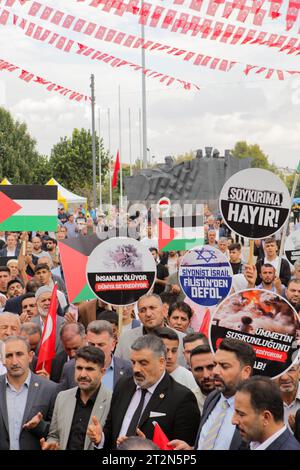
(200, 179)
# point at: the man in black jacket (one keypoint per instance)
(259, 416)
(150, 396)
(234, 363)
(270, 257)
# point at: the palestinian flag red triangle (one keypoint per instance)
(8, 207)
(74, 266)
(165, 234)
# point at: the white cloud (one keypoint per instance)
(229, 106)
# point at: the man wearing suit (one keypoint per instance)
(43, 297)
(150, 395)
(78, 408)
(100, 335)
(259, 416)
(12, 248)
(73, 337)
(26, 400)
(152, 316)
(234, 361)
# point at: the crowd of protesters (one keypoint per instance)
(109, 379)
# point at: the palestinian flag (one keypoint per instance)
(180, 232)
(28, 207)
(74, 255)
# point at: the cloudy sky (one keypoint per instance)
(227, 108)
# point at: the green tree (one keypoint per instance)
(20, 162)
(71, 161)
(244, 150)
(289, 181)
(185, 157)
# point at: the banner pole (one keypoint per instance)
(285, 228)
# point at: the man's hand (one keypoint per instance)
(292, 422)
(278, 285)
(179, 445)
(175, 289)
(33, 422)
(3, 300)
(51, 445)
(94, 431)
(43, 373)
(121, 439)
(70, 317)
(24, 317)
(250, 274)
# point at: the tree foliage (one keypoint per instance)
(71, 161)
(20, 162)
(244, 150)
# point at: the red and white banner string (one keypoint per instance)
(68, 45)
(183, 24)
(30, 77)
(110, 35)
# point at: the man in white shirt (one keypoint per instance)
(234, 363)
(179, 373)
(202, 366)
(10, 325)
(290, 393)
(150, 241)
(258, 415)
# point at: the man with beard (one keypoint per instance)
(43, 298)
(77, 409)
(290, 393)
(269, 281)
(150, 395)
(202, 366)
(292, 293)
(26, 400)
(259, 416)
(234, 363)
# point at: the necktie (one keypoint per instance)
(210, 439)
(137, 414)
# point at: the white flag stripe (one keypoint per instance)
(189, 233)
(36, 207)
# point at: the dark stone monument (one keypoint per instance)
(200, 179)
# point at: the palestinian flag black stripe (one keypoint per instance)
(38, 192)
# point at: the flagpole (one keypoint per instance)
(129, 130)
(120, 151)
(93, 100)
(100, 166)
(109, 157)
(140, 138)
(285, 228)
(144, 101)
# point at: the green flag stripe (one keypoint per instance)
(21, 223)
(177, 244)
(85, 294)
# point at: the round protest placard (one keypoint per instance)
(120, 270)
(292, 247)
(255, 203)
(264, 320)
(205, 275)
